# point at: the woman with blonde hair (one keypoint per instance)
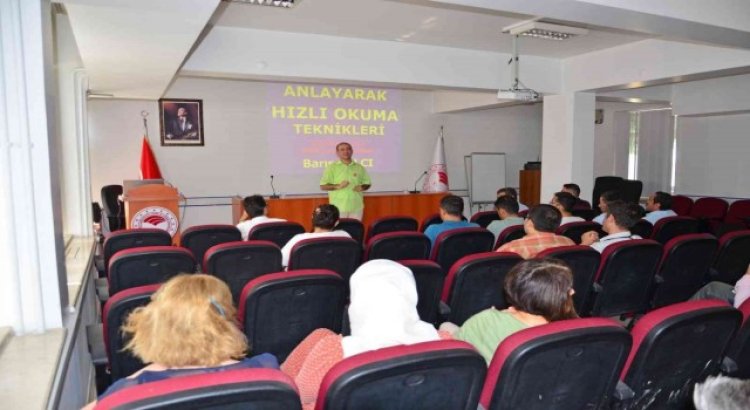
(189, 327)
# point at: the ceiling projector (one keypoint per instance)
(525, 95)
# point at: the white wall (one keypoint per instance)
(712, 156)
(234, 158)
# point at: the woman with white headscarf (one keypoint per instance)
(382, 313)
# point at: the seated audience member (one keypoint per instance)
(572, 189)
(507, 210)
(540, 226)
(538, 291)
(734, 295)
(325, 218)
(620, 217)
(512, 193)
(382, 313)
(722, 393)
(564, 202)
(604, 200)
(659, 206)
(451, 212)
(575, 190)
(254, 214)
(188, 328)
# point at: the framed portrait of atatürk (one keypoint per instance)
(181, 122)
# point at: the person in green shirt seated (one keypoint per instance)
(538, 291)
(345, 180)
(507, 210)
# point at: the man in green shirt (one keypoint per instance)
(345, 180)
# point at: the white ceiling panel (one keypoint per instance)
(133, 48)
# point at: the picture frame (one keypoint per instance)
(181, 122)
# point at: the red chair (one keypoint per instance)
(147, 266)
(671, 227)
(475, 283)
(353, 227)
(569, 364)
(484, 218)
(277, 311)
(739, 213)
(682, 205)
(430, 278)
(266, 389)
(625, 278)
(739, 350)
(277, 232)
(574, 230)
(582, 205)
(392, 224)
(397, 246)
(509, 234)
(642, 228)
(733, 257)
(454, 244)
(132, 238)
(431, 375)
(237, 263)
(121, 362)
(341, 255)
(201, 237)
(584, 262)
(684, 268)
(712, 210)
(675, 347)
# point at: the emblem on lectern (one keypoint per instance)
(156, 217)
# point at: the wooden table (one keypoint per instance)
(377, 205)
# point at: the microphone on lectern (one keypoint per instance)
(274, 196)
(415, 191)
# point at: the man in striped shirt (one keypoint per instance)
(540, 226)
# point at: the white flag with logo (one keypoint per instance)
(437, 176)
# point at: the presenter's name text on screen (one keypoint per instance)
(311, 163)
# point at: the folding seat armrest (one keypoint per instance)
(95, 337)
(728, 366)
(99, 264)
(102, 289)
(623, 391)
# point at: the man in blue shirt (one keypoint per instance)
(451, 212)
(659, 206)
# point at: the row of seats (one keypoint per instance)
(237, 262)
(629, 277)
(598, 364)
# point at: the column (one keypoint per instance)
(31, 245)
(568, 143)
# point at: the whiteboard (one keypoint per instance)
(485, 174)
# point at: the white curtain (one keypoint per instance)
(654, 139)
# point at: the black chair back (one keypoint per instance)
(277, 232)
(397, 246)
(237, 263)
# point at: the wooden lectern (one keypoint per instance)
(153, 206)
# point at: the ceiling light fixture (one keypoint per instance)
(286, 4)
(545, 31)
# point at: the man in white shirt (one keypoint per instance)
(514, 194)
(659, 206)
(564, 202)
(325, 217)
(736, 295)
(254, 214)
(620, 217)
(604, 200)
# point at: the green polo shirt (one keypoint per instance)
(346, 199)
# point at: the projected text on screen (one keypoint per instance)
(307, 121)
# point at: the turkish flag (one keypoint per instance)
(437, 176)
(149, 167)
